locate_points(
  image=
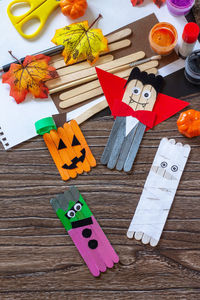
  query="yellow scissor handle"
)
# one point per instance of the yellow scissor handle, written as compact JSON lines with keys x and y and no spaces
{"x":39,"y":9}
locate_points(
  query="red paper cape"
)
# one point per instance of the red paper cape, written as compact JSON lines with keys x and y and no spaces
{"x":113,"y":88}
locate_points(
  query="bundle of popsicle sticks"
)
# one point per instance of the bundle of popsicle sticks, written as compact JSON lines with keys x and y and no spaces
{"x":79,"y":81}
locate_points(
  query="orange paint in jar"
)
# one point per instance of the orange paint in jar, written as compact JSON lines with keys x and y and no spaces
{"x":163,"y":38}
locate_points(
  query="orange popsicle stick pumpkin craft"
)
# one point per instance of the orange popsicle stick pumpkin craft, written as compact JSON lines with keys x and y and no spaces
{"x":67,"y":147}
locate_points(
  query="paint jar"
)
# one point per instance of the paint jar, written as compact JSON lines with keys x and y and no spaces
{"x":192,"y":67}
{"x":180,"y":7}
{"x":163,"y":38}
{"x":189,"y":38}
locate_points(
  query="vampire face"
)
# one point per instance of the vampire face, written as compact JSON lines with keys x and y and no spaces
{"x":139,"y":96}
{"x":72,"y":209}
{"x":141,"y":90}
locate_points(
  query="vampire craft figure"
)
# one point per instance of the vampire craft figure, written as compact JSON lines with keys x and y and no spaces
{"x":137,"y":106}
{"x":85,"y":231}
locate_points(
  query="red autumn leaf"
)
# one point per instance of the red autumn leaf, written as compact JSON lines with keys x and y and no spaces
{"x":29,"y":77}
{"x":136,"y":2}
{"x":159,"y":3}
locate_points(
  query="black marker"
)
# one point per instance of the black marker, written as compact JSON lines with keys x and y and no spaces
{"x":49,"y":52}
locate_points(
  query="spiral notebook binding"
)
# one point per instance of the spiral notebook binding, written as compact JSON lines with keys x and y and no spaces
{"x":3,"y":139}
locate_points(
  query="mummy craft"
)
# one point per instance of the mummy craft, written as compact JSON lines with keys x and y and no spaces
{"x":137,"y":106}
{"x":158,"y":192}
{"x":85,"y":231}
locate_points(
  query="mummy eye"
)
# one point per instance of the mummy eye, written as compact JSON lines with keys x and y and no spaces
{"x":146,"y":94}
{"x":163,"y":164}
{"x":174,"y":168}
{"x":136,"y":91}
{"x":71,"y":214}
{"x":77,"y":207}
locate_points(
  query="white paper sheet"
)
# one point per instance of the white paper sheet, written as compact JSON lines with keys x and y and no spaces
{"x":115,"y":15}
{"x":17,"y":120}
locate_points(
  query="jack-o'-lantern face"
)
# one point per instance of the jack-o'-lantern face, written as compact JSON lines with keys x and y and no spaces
{"x":72,"y":148}
{"x":69,"y":150}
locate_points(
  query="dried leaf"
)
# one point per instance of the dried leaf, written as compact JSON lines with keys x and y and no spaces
{"x":80,"y":42}
{"x":137,"y":2}
{"x":159,"y":3}
{"x":29,"y":77}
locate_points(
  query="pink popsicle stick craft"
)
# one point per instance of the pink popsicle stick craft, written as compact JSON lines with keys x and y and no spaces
{"x":84,"y":231}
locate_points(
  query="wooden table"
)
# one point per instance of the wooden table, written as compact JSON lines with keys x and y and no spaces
{"x":196,"y":11}
{"x":39,"y":261}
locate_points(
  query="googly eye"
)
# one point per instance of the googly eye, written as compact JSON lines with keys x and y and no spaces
{"x":146,"y":94}
{"x":174,"y":168}
{"x":77,"y":206}
{"x":163,"y":164}
{"x":136,"y":91}
{"x":71,"y":214}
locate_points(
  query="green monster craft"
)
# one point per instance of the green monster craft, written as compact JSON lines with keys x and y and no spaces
{"x":85,"y":231}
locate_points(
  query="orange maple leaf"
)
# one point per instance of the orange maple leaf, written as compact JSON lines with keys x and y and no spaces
{"x":29,"y":77}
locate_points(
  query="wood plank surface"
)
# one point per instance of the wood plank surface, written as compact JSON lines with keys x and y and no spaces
{"x":196,"y":11}
{"x":38,"y":260}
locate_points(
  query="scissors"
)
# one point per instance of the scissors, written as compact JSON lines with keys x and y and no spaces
{"x":39,"y":9}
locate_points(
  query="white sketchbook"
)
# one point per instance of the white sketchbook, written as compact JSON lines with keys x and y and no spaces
{"x":17,"y":120}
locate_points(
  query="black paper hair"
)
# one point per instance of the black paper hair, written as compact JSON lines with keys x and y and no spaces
{"x":145,"y":78}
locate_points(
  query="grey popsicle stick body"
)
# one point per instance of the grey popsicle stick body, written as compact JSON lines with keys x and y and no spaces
{"x":122,"y":148}
{"x":137,"y":138}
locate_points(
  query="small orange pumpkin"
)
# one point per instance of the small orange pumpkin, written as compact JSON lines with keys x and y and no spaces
{"x":73,"y":8}
{"x":189,"y":123}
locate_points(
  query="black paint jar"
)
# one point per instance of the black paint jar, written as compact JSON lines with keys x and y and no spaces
{"x":192,"y":67}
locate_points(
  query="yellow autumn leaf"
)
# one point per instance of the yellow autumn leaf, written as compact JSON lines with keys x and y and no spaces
{"x":80,"y":42}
